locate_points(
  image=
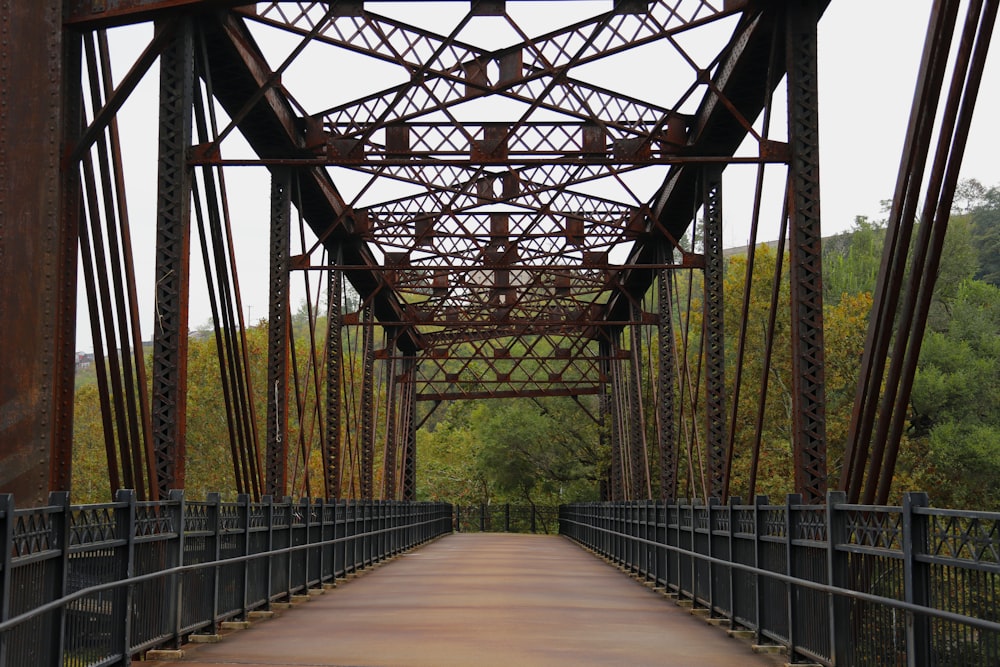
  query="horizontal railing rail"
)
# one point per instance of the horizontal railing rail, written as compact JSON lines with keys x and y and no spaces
{"x":95,"y":585}
{"x":836,"y":585}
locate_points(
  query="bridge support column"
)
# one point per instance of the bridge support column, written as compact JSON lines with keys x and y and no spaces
{"x":334,"y":369}
{"x":278,"y":331}
{"x":666,"y":443}
{"x":173,"y":259}
{"x":805,"y":252}
{"x":39,"y":207}
{"x":616,"y":412}
{"x":715,"y":342}
{"x":368,"y":404}
{"x":638,"y":455}
{"x":408,"y":428}
{"x":608,"y":487}
{"x":392,"y":417}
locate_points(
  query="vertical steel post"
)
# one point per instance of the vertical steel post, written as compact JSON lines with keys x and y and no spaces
{"x":392,"y":414}
{"x":637,"y":423}
{"x":805,"y":251}
{"x":618,"y":490}
{"x":666,"y":443}
{"x":714,"y":332}
{"x":409,"y":482}
{"x":173,"y":254}
{"x":278,"y":332}
{"x":334,"y":357}
{"x":604,"y":410}
{"x":368,"y":404}
{"x":38,"y":217}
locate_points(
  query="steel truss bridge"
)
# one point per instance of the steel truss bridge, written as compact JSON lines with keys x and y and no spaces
{"x":484,"y":208}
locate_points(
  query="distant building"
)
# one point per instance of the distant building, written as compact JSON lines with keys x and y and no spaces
{"x":84,"y":360}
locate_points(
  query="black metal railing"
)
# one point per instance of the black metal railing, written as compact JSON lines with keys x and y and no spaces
{"x":93,"y":585}
{"x":838,"y":584}
{"x":507,"y":518}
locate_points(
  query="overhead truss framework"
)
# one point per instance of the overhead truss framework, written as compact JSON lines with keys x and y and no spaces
{"x":525,"y":205}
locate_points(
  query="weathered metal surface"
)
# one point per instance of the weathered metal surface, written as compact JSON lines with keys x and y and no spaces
{"x":276,"y":473}
{"x":172,"y":273}
{"x":715,"y":334}
{"x":805,"y":256}
{"x":37,"y":251}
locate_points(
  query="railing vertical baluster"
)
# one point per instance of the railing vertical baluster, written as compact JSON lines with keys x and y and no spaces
{"x":838,"y":574}
{"x":916,"y":578}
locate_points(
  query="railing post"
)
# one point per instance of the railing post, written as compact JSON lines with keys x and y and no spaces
{"x":791,"y":529}
{"x":734,"y":501}
{"x":6,"y":541}
{"x":482,"y":517}
{"x":243,"y":512}
{"x":322,"y":548}
{"x":305,"y":506}
{"x":759,"y":528}
{"x":60,"y":531}
{"x":287,"y":500}
{"x":506,"y":517}
{"x":838,"y":574}
{"x":713,"y":502}
{"x":268,"y":502}
{"x":916,"y":578}
{"x":178,"y":512}
{"x":534,"y":525}
{"x":125,"y":526}
{"x":458,"y":518}
{"x":215,"y":525}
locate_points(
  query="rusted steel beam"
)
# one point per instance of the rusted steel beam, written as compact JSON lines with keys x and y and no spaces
{"x":367,"y":415}
{"x":715,"y":336}
{"x":38,"y":212}
{"x":409,"y":465}
{"x":90,"y":14}
{"x":666,"y":373}
{"x":173,"y":255}
{"x":805,"y":256}
{"x":272,"y":128}
{"x":334,"y":369}
{"x":278,"y":334}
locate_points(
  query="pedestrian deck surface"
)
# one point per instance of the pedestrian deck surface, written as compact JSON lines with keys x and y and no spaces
{"x":481,"y":600}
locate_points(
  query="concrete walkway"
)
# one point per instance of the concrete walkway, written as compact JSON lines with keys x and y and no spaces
{"x":480,"y":600}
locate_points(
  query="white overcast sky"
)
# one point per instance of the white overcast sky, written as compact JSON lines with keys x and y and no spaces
{"x":869,"y":54}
